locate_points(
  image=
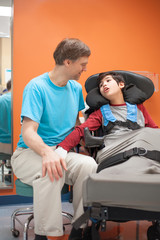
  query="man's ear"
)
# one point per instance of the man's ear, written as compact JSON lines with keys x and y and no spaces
{"x":121,"y":85}
{"x":67,"y":62}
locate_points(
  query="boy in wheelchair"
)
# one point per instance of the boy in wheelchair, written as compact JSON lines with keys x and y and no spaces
{"x":127,"y":128}
{"x":124,"y":126}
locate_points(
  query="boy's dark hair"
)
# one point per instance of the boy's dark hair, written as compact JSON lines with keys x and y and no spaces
{"x":72,"y":49}
{"x":9,"y":85}
{"x":116,"y":76}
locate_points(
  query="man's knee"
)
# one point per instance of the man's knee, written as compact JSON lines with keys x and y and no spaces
{"x":89,"y":164}
{"x":81,"y":163}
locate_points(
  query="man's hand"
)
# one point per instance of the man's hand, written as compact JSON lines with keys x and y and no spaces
{"x":52,"y":163}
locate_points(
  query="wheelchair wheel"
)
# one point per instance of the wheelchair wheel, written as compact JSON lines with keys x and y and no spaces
{"x":153,"y":233}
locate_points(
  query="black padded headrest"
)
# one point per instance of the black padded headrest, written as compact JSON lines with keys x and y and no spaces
{"x":138,"y":89}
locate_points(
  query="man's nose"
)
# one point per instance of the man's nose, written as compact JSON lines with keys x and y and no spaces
{"x":84,"y":69}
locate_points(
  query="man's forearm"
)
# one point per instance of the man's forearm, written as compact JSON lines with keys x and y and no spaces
{"x":52,"y":163}
{"x":35,"y":142}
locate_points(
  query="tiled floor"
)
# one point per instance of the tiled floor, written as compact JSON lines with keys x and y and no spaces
{"x":115,"y":231}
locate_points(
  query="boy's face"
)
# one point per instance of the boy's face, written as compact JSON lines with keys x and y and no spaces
{"x":109,"y":88}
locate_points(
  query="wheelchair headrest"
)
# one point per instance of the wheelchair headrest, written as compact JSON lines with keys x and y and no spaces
{"x":138,"y":88}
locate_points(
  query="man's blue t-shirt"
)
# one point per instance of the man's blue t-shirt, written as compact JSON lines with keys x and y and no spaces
{"x":5,"y":118}
{"x":54,"y":108}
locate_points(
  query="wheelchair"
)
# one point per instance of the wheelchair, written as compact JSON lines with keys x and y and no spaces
{"x":100,"y":193}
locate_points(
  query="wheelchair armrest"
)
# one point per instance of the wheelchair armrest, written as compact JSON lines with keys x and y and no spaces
{"x":92,"y":141}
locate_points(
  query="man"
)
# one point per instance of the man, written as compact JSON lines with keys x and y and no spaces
{"x":5,"y":120}
{"x":51,"y":103}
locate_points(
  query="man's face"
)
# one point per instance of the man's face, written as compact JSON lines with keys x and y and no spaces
{"x":109,"y":88}
{"x":75,"y":68}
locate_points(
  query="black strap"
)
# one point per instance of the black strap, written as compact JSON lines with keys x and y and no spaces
{"x":96,"y":212}
{"x":95,"y":232}
{"x":124,"y":156}
{"x":128,"y":124}
{"x":94,"y":228}
{"x":82,"y":219}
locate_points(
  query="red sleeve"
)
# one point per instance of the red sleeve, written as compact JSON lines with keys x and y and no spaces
{"x":148,"y":120}
{"x":93,"y":123}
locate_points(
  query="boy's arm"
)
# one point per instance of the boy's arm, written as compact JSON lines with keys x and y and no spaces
{"x":148,"y":120}
{"x":93,"y":123}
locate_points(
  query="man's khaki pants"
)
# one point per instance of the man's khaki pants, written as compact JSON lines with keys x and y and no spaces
{"x":27,"y":166}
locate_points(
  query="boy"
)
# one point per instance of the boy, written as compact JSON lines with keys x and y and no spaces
{"x":125,"y":126}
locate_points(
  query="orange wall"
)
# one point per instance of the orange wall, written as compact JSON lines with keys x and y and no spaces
{"x":122,"y":35}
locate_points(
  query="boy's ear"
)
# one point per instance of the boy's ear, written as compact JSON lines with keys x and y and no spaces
{"x":121,"y":85}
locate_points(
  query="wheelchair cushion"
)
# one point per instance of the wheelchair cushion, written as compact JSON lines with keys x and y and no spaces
{"x":138,"y":89}
{"x":129,"y":191}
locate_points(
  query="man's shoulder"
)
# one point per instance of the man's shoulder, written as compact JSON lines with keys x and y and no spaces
{"x":75,"y":84}
{"x":37,"y":81}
